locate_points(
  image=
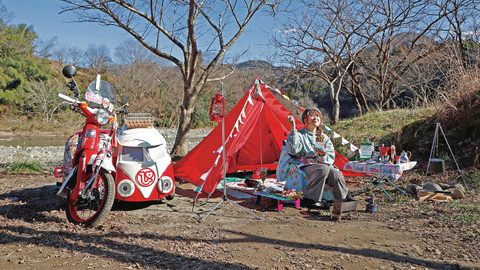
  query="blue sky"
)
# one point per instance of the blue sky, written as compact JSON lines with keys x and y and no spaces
{"x":48,"y":23}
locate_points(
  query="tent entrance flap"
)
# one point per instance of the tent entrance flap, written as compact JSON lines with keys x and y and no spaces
{"x":261,"y":149}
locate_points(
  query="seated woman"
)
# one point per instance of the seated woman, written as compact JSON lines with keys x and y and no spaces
{"x":316,"y":155}
{"x":288,"y":171}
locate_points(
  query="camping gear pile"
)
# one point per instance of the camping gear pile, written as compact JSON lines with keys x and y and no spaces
{"x":432,"y":191}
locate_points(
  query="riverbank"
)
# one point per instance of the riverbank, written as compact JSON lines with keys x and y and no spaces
{"x":51,"y":156}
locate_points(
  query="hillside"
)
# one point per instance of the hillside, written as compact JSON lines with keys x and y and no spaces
{"x":413,"y":130}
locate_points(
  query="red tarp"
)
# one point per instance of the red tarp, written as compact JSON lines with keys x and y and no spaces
{"x":254,"y":131}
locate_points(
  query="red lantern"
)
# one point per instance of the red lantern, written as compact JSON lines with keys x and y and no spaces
{"x":217,"y":108}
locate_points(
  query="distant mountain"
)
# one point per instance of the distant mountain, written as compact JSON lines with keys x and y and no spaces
{"x":254,"y":64}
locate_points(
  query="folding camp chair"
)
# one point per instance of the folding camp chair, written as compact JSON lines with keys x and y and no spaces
{"x":288,"y":170}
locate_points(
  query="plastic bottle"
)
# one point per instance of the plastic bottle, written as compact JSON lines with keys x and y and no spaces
{"x":366,"y":149}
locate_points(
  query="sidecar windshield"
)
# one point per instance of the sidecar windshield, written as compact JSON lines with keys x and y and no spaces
{"x":101,"y":98}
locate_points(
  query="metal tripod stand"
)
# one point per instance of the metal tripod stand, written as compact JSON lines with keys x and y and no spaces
{"x":434,"y":150}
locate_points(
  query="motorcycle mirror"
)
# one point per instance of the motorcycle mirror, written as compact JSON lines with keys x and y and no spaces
{"x":69,"y":71}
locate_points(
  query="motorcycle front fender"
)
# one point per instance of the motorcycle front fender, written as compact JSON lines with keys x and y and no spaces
{"x":62,"y":193}
{"x":107,"y":163}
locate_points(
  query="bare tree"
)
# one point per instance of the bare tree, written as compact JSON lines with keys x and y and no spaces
{"x":75,"y":55}
{"x":324,"y":41}
{"x":148,"y":87}
{"x":130,"y":52}
{"x":5,"y":15}
{"x":401,"y":33}
{"x":461,"y":16}
{"x":423,"y":80}
{"x":60,"y":54}
{"x":97,"y":57}
{"x":194,"y":35}
{"x":42,"y":98}
{"x":355,"y":88}
{"x":45,"y":47}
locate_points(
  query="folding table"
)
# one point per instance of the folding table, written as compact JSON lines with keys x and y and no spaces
{"x":380,"y":173}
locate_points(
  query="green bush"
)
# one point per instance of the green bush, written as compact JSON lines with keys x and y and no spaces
{"x":18,"y":64}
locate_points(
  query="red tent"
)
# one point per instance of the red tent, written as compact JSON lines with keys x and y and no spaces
{"x":254,"y":131}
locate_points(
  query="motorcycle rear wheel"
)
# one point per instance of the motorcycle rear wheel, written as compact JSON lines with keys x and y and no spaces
{"x":92,"y":211}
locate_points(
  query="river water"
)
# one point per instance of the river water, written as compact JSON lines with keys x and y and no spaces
{"x":33,"y":141}
{"x":51,"y":140}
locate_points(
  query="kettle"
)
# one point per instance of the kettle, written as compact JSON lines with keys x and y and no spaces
{"x":371,"y":206}
{"x":405,"y":156}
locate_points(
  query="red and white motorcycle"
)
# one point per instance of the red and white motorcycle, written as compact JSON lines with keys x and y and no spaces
{"x":103,"y":163}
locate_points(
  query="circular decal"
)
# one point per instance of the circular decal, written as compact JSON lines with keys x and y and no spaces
{"x":145,"y":177}
{"x":105,"y":103}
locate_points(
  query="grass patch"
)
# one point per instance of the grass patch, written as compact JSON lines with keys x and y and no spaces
{"x":457,"y":205}
{"x":472,"y":179}
{"x":382,"y":127}
{"x":26,"y":167}
{"x":468,"y":214}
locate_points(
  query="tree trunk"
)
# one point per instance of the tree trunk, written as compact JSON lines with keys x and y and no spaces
{"x":364,"y":100}
{"x":180,"y":148}
{"x":353,"y":92}
{"x":358,"y":105}
{"x":335,"y":103}
{"x":336,"y":110}
{"x":332,"y":99}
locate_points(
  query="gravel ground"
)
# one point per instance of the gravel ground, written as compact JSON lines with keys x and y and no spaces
{"x":35,"y":234}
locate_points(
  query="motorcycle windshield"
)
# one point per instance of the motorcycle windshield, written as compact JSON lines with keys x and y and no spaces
{"x":101,"y":97}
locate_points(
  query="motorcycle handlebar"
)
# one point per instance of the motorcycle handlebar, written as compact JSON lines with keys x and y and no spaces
{"x":85,"y":110}
{"x":67,"y":98}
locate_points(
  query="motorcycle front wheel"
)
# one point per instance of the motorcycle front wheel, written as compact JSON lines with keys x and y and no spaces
{"x":92,"y":210}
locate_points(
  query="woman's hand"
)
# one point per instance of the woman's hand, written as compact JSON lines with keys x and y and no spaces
{"x":320,"y":147}
{"x":291,"y":120}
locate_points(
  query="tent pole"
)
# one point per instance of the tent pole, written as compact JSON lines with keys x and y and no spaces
{"x":224,"y":158}
{"x":224,"y":174}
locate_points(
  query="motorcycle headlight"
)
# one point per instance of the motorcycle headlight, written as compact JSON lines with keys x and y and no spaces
{"x":102,"y":117}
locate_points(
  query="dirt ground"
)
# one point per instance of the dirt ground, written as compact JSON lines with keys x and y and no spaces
{"x":35,"y":234}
